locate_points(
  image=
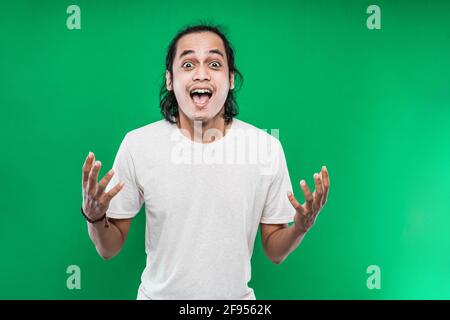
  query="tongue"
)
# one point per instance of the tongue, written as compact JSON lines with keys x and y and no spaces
{"x":200,"y":98}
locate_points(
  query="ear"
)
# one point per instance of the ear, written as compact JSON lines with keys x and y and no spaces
{"x":231,"y":80}
{"x":168,"y":81}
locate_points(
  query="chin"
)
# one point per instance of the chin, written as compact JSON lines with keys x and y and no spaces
{"x":203,"y":114}
{"x":201,"y":118}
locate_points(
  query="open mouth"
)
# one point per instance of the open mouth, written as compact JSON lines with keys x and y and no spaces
{"x":201,"y":96}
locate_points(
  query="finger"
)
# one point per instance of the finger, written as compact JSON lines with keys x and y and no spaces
{"x":112,"y":193}
{"x":93,"y":176}
{"x":87,"y":168}
{"x":318,"y":193}
{"x":326,"y":184}
{"x":104,"y":182}
{"x":297,"y":206}
{"x":308,"y":195}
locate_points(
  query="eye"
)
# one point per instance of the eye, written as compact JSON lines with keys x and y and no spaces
{"x":187,"y":65}
{"x":215,"y":64}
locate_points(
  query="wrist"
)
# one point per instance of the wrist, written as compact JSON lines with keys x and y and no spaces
{"x":298,"y":230}
{"x":92,"y":221}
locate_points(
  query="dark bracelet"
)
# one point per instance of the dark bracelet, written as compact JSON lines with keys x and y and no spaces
{"x":97,"y":220}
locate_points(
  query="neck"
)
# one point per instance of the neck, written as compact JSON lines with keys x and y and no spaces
{"x":203,"y":131}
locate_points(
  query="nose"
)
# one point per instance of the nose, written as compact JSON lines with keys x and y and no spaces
{"x":201,"y":74}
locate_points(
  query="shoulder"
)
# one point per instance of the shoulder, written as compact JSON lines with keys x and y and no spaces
{"x":155,"y":128}
{"x":245,"y":129}
{"x":149,"y":134}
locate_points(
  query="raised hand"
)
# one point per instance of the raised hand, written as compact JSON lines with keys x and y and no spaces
{"x":95,"y":199}
{"x":306,"y":213}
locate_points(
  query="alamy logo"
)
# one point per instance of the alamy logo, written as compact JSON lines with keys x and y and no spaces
{"x":374,"y":280}
{"x":74,"y":20}
{"x":242,"y":147}
{"x":74,"y":280}
{"x":374,"y":20}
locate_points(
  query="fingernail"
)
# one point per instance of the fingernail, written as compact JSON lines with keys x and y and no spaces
{"x":302,"y":182}
{"x":111,"y":172}
{"x":289,"y":193}
{"x":90,"y":154}
{"x":315,"y":175}
{"x":122,"y":184}
{"x":97,"y":163}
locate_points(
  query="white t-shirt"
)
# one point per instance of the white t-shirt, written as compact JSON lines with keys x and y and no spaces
{"x":203,"y":205}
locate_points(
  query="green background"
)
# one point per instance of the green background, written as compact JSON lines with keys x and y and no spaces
{"x":372,"y":105}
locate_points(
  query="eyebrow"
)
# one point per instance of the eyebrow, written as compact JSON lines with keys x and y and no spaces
{"x":215,"y":51}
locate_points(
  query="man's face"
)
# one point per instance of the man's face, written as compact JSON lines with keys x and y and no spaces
{"x":201,"y":78}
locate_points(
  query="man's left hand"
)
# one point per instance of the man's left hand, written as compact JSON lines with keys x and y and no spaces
{"x":306,"y":213}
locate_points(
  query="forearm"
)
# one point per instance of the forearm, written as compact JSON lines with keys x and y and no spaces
{"x":107,"y":241}
{"x":282,"y":242}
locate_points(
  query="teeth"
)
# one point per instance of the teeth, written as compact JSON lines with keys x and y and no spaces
{"x":200,"y":91}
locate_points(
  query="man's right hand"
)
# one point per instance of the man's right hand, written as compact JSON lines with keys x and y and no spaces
{"x":95,"y":199}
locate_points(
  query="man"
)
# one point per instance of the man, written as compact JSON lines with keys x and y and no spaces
{"x":208,"y":181}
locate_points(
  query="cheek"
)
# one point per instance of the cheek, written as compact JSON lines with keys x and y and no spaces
{"x":179,"y":87}
{"x":224,"y":88}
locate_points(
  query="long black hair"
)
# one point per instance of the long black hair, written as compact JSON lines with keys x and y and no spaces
{"x":167,"y":100}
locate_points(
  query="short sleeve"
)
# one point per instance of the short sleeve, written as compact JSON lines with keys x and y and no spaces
{"x":127,"y":203}
{"x":277,"y":208}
